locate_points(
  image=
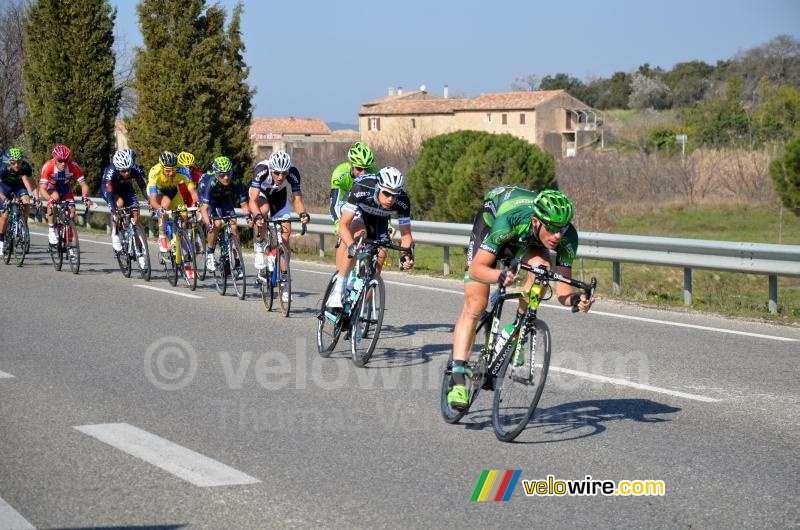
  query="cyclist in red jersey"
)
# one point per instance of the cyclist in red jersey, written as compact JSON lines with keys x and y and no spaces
{"x":55,"y":186}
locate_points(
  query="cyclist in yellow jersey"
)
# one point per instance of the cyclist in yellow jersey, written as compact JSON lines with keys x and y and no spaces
{"x":163,"y":191}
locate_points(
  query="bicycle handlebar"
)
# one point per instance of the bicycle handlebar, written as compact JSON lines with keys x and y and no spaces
{"x":587,"y":288}
{"x":303,"y":228}
{"x":385,"y":243}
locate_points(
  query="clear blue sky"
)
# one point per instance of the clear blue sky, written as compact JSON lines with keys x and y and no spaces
{"x":322,"y":59}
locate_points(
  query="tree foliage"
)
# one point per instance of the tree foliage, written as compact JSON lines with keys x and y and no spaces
{"x":455,"y":170}
{"x":190,"y":83}
{"x":12,"y":41}
{"x":70,"y":92}
{"x":785,"y":172}
{"x":648,"y":93}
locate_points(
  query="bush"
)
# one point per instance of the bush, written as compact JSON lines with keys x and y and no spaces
{"x":785,"y":173}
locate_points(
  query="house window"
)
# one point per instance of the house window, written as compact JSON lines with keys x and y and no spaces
{"x":522,"y":119}
{"x":488,"y":117}
{"x":505,"y":119}
{"x":413,"y":123}
{"x":374,"y":124}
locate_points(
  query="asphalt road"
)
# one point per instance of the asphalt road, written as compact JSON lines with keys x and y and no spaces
{"x":123,"y":406}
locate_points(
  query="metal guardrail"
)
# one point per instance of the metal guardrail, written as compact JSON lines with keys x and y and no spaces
{"x":750,"y":258}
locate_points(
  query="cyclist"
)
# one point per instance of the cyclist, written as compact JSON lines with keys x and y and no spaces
{"x":117,"y":189}
{"x":512,"y":223}
{"x":369,"y":205}
{"x":16,"y":178}
{"x":220,"y":188}
{"x":54,"y":186}
{"x":186,"y":166}
{"x":162,"y":188}
{"x":269,"y":197}
{"x":360,"y":162}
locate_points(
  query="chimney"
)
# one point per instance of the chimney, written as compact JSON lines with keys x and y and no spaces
{"x":446,"y":92}
{"x":391,"y":91}
{"x":399,"y":91}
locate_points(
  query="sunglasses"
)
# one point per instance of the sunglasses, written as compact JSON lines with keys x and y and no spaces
{"x":284,"y":173}
{"x":61,"y":160}
{"x":15,"y":162}
{"x":555,"y":229}
{"x":224,"y":175}
{"x":389,"y":194}
{"x":356,"y":168}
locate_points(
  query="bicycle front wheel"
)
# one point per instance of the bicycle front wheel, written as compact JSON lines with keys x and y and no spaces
{"x":200,"y":238}
{"x":22,"y":244}
{"x":57,"y":250}
{"x":142,"y":252}
{"x":221,"y":267}
{"x":284,"y":280}
{"x":330,"y":323}
{"x":9,"y":249}
{"x":475,"y":378}
{"x":123,"y":257}
{"x":365,"y":324}
{"x":170,"y":270}
{"x":237,"y":268}
{"x":520,"y":383}
{"x":73,"y":247}
{"x":189,"y":257}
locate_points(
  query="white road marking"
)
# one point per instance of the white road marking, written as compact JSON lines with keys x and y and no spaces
{"x":184,"y":463}
{"x":82,"y":240}
{"x":10,"y":519}
{"x":160,"y":290}
{"x":640,"y":386}
{"x":4,"y":375}
{"x":603,"y":313}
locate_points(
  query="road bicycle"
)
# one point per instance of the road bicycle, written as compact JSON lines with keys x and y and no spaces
{"x":134,"y":244}
{"x":68,"y":244}
{"x":517,"y":376}
{"x":277,"y":273}
{"x":363,"y":305}
{"x":18,"y":238}
{"x":182,"y":250}
{"x":228,"y":259}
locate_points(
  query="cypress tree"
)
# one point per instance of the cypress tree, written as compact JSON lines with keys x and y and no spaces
{"x":70,"y":92}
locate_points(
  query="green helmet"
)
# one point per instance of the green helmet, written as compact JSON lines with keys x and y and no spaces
{"x":552,"y":206}
{"x":221,"y":164}
{"x":360,"y":155}
{"x":15,"y":153}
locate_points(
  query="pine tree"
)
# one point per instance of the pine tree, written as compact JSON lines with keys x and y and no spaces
{"x":70,"y":93}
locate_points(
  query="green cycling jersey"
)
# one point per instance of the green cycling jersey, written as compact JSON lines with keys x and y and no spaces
{"x":341,"y":183}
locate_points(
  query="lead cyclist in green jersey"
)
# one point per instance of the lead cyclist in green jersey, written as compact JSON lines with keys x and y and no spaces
{"x":512,"y":223}
{"x":360,"y":162}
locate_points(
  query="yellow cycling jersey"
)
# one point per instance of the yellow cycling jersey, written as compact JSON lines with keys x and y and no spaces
{"x":158,"y":182}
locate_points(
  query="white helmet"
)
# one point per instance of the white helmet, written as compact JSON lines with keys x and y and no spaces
{"x":280,"y":161}
{"x":122,"y":160}
{"x":390,"y":178}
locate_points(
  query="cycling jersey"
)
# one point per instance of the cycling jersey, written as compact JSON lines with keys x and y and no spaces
{"x":115,"y":183}
{"x":342,"y":181}
{"x":11,"y":181}
{"x":159,"y":183}
{"x":363,"y":200}
{"x":57,"y":180}
{"x":276,"y":195}
{"x":215,"y":193}
{"x":193,"y":172}
{"x":504,"y":227}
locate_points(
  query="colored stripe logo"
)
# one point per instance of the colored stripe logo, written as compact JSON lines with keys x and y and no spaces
{"x":495,"y":485}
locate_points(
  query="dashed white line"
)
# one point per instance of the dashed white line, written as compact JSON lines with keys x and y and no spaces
{"x":4,"y":375}
{"x":184,"y":463}
{"x":632,"y":384}
{"x":603,"y":313}
{"x":160,"y":290}
{"x":10,"y":519}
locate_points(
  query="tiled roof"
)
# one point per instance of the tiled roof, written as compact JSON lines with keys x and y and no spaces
{"x":437,"y":105}
{"x":414,"y":106}
{"x":288,"y":126}
{"x":509,"y":100}
{"x":348,"y":133}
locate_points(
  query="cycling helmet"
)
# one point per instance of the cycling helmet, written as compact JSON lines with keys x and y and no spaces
{"x":390,"y":178}
{"x":552,"y":206}
{"x":280,"y":161}
{"x":168,"y":159}
{"x":360,"y":155}
{"x":15,"y":153}
{"x":132,"y":154}
{"x":185,"y":159}
{"x":62,"y":152}
{"x":221,"y":164}
{"x":122,"y":160}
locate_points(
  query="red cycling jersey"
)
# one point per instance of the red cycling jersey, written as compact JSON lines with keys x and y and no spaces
{"x":58,"y":180}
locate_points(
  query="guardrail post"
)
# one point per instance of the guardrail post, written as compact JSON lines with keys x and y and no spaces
{"x":108,"y":224}
{"x":615,"y":282}
{"x":322,"y":245}
{"x":151,"y":227}
{"x":687,"y":286}
{"x":446,"y":260}
{"x":772,"y":305}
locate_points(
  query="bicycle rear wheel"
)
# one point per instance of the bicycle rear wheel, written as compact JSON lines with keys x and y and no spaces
{"x":170,"y":270}
{"x":330,"y":323}
{"x":284,"y":285}
{"x":520,"y":383}
{"x":73,"y":247}
{"x":238,"y":274}
{"x":367,"y":316}
{"x":476,"y":366}
{"x":142,"y":252}
{"x":8,"y":249}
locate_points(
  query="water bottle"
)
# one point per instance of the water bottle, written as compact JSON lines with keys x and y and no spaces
{"x":355,"y":289}
{"x":502,"y":340}
{"x":271,"y":260}
{"x":168,"y":230}
{"x":351,"y":279}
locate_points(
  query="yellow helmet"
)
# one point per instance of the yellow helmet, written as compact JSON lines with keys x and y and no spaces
{"x":185,"y":159}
